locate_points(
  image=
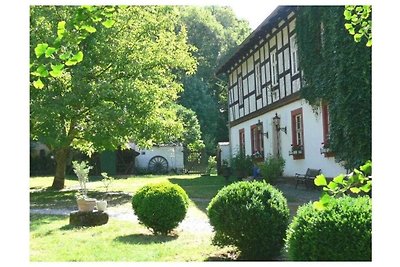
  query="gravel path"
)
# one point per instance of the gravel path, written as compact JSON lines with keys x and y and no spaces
{"x":191,"y":223}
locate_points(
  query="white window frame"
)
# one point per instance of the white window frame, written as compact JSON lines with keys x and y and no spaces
{"x":294,"y":55}
{"x":274,"y":68}
{"x":257,"y":75}
{"x":299,"y":129}
{"x":240,"y":90}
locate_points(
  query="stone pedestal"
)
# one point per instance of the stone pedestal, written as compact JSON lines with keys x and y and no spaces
{"x":91,"y":218}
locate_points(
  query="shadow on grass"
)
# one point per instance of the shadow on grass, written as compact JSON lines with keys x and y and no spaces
{"x":50,"y":198}
{"x":142,"y":239}
{"x":36,"y":220}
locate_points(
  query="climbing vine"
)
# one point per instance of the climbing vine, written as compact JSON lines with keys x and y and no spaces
{"x":337,"y":71}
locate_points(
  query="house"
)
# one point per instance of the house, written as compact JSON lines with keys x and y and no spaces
{"x":267,"y":115}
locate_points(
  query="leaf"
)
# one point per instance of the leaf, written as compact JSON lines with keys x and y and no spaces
{"x":369,"y":43}
{"x":40,"y":49}
{"x":61,"y":29}
{"x":348,"y":25}
{"x":357,"y":37}
{"x":108,"y":23}
{"x":355,"y":190}
{"x":41,"y":71}
{"x":38,"y":84}
{"x":367,"y":168}
{"x":320,"y":180}
{"x":78,"y":57}
{"x":89,"y":28}
{"x":56,"y":70}
{"x":65,"y":56}
{"x":318,"y":205}
{"x":332,"y":185}
{"x":50,"y":51}
{"x":347,"y":14}
{"x":367,"y":187}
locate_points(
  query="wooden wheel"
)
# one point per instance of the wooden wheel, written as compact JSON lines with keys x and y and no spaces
{"x":158,"y":165}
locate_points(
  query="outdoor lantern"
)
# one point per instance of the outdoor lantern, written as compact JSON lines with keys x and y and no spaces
{"x":260,"y":129}
{"x":277,"y":121}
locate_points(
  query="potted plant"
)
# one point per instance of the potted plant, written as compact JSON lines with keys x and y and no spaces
{"x":85,"y":204}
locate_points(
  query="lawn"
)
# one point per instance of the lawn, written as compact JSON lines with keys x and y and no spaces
{"x":52,"y":239}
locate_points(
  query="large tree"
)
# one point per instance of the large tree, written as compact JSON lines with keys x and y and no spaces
{"x":124,"y":87}
{"x":337,"y":71}
{"x":215,"y":32}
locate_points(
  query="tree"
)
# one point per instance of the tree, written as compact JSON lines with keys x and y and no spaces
{"x":337,"y":71}
{"x":215,"y":32}
{"x":124,"y":89}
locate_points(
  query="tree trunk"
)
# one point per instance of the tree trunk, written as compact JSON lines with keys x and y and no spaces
{"x":61,"y":157}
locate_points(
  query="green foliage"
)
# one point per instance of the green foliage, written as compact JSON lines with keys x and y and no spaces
{"x":107,"y":180}
{"x":358,"y":182}
{"x":160,"y":207}
{"x":252,"y":216}
{"x":125,"y":88}
{"x":215,"y":31}
{"x":272,"y":168}
{"x":82,"y":171}
{"x":63,"y":48}
{"x":359,"y":22}
{"x":341,"y":232}
{"x":211,"y":165}
{"x":241,"y":165}
{"x":337,"y":71}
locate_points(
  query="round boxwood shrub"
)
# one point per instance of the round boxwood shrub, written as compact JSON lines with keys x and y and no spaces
{"x":341,"y":232}
{"x":252,"y":216}
{"x":160,"y":207}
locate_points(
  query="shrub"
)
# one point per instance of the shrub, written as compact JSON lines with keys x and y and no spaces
{"x":211,"y":165}
{"x":272,"y":168}
{"x":242,"y":165}
{"x":160,"y":207}
{"x":253,"y":216}
{"x":340,"y":232}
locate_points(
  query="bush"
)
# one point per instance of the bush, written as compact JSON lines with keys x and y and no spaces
{"x":160,"y":207}
{"x":341,"y":232}
{"x":211,"y":165}
{"x":253,"y":216}
{"x":242,"y":165}
{"x":272,"y":168}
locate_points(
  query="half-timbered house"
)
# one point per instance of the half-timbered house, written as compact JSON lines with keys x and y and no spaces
{"x":267,"y":115}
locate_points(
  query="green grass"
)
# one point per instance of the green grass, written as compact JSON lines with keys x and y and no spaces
{"x":52,"y":239}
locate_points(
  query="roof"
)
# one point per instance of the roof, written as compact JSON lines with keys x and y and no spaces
{"x":260,"y":32}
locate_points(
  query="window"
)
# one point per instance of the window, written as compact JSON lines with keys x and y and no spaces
{"x":242,"y":143}
{"x":294,"y":55}
{"x":274,"y":68}
{"x":297,"y":134}
{"x":240,"y":89}
{"x":257,"y":142}
{"x":258,"y":79}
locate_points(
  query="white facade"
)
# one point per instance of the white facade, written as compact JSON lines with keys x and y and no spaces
{"x":172,"y":153}
{"x":265,"y":80}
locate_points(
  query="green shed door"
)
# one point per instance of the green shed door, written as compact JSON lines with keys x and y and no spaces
{"x":108,"y":162}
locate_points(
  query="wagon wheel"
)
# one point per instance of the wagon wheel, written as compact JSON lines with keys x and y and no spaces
{"x":158,"y":165}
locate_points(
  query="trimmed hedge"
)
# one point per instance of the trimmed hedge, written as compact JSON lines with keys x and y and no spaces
{"x":339,"y":233}
{"x":253,"y":216}
{"x":160,"y":207}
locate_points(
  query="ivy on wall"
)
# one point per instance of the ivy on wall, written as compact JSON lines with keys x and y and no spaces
{"x":337,"y":71}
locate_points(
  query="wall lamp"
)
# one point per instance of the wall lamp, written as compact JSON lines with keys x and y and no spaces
{"x":277,"y":122}
{"x":260,"y":129}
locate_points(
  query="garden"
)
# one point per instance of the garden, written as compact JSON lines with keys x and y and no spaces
{"x":201,"y":218}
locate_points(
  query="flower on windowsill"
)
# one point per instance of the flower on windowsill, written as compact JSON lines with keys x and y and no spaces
{"x":296,"y":150}
{"x":257,"y":155}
